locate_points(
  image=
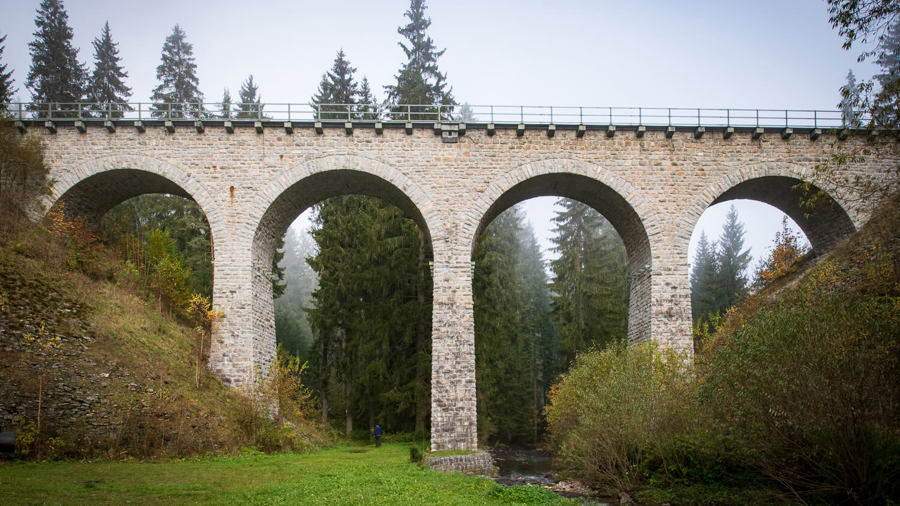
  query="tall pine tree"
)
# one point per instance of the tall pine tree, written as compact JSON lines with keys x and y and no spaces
{"x":590,"y":291}
{"x":536,"y":326}
{"x":733,"y":261}
{"x":178,"y":94}
{"x":885,"y":102}
{"x":226,"y":104}
{"x":106,"y":87}
{"x":56,"y":75}
{"x":419,"y":81}
{"x":337,"y":93}
{"x":719,"y":273}
{"x":367,"y":105}
{"x":502,"y":363}
{"x":250,"y":106}
{"x":6,"y":82}
{"x":370,"y":349}
{"x":704,"y":276}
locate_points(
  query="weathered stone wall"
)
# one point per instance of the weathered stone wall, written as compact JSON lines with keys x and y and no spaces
{"x":251,"y":185}
{"x":479,"y":463}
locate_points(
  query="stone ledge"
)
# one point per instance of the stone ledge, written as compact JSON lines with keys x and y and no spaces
{"x":479,"y":463}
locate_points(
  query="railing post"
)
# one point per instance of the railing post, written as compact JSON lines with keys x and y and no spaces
{"x":610,"y":115}
{"x":21,"y":117}
{"x":698,"y":116}
{"x":289,"y":111}
{"x":757,"y":118}
{"x":492,"y":114}
{"x":580,"y":115}
{"x":640,"y":117}
{"x":670,"y":116}
{"x":521,"y":114}
{"x":728,"y":117}
{"x":815,"y":119}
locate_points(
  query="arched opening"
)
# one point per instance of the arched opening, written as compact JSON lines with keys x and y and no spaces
{"x":620,"y":214}
{"x":149,"y":220}
{"x":732,"y":244}
{"x":825,"y":225}
{"x":370,"y":313}
{"x":536,"y":307}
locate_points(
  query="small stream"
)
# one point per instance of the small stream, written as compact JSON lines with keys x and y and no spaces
{"x":531,"y":466}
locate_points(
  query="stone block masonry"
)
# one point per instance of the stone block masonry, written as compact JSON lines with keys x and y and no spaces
{"x":652,"y":188}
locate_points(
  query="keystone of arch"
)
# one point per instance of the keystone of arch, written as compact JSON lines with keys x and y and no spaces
{"x":708,"y":195}
{"x":284,"y":180}
{"x":473,"y":218}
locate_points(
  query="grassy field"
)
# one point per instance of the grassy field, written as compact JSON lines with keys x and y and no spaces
{"x":343,"y":475}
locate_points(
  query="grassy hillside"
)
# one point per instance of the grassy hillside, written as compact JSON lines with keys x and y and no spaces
{"x":94,"y":364}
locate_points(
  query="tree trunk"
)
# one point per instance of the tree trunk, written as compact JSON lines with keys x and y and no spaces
{"x":323,"y":385}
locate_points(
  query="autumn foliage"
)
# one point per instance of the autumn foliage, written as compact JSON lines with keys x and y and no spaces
{"x":786,"y":251}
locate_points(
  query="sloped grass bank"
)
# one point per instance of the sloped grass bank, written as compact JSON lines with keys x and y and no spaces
{"x":342,"y":475}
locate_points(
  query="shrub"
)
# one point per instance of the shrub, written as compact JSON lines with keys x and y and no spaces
{"x":809,"y":386}
{"x":618,"y":407}
{"x":278,"y":413}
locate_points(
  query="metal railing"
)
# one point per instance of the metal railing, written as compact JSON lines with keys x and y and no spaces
{"x":403,"y":113}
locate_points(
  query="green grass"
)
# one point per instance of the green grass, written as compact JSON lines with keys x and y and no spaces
{"x":343,"y":475}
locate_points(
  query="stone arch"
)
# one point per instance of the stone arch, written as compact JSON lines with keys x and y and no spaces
{"x":95,"y":187}
{"x":627,"y":210}
{"x":315,"y":180}
{"x":305,"y":184}
{"x":773,"y":184}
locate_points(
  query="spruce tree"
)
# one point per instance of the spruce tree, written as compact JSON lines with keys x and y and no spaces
{"x":367,"y":105}
{"x":6,"y":82}
{"x":732,"y":261}
{"x":338,"y":92}
{"x":56,"y":75}
{"x":850,"y":102}
{"x":419,"y":81}
{"x":704,"y":275}
{"x":885,"y":102}
{"x":250,"y":106}
{"x":178,"y":94}
{"x":106,"y":88}
{"x":367,"y":355}
{"x":226,"y":104}
{"x":589,"y":304}
{"x":502,"y":350}
{"x":536,"y":326}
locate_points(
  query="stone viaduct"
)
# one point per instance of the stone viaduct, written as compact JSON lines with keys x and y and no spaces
{"x":652,"y":184}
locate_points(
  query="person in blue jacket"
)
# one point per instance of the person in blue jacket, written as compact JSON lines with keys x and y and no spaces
{"x":377,"y":432}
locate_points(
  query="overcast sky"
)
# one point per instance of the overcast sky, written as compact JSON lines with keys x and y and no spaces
{"x":761,"y":54}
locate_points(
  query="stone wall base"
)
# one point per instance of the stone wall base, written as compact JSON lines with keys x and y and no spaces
{"x":479,"y":463}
